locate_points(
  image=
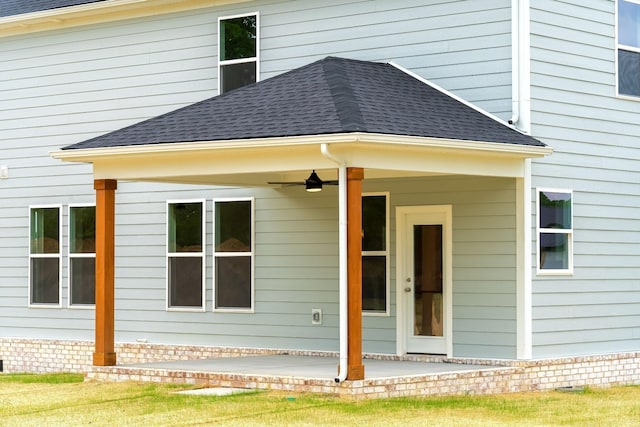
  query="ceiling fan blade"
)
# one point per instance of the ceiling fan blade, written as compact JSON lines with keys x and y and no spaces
{"x":286,"y":182}
{"x":331,"y":182}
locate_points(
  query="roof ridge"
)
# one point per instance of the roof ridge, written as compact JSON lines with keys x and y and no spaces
{"x":342,"y":94}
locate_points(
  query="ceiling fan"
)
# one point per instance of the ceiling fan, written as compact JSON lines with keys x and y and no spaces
{"x":313,"y":184}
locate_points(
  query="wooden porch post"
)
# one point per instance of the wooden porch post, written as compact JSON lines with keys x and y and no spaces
{"x":104,"y":354}
{"x":355,"y":368}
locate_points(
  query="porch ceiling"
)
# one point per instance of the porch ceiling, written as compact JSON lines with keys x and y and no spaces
{"x":372,"y":115}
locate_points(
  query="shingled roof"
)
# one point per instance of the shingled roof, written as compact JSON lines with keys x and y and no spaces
{"x":19,"y":7}
{"x":330,"y":96}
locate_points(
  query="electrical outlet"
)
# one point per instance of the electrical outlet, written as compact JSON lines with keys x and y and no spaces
{"x":316,"y":316}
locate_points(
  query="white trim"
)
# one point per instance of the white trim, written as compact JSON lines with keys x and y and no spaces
{"x":569,"y":232}
{"x":515,"y":63}
{"x":237,"y":61}
{"x":524,"y":299}
{"x":629,"y":48}
{"x":31,"y":304}
{"x":452,"y":95}
{"x":256,"y":59}
{"x":201,"y":254}
{"x":524,"y":66}
{"x":250,"y":254}
{"x":71,"y":255}
{"x":447,"y":258}
{"x":92,"y":154}
{"x":615,"y":52}
{"x":387,"y":254}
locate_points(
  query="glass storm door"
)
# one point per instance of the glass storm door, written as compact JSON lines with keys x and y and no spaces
{"x":423,"y":286}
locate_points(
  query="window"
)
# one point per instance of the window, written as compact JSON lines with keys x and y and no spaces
{"x":238,"y":48}
{"x":629,"y":47}
{"x":555,"y":232}
{"x":82,"y":255}
{"x":44,"y":255}
{"x":375,"y":255}
{"x":185,"y":254}
{"x":233,"y":254}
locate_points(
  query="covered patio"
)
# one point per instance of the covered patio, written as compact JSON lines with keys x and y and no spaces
{"x":345,"y":119}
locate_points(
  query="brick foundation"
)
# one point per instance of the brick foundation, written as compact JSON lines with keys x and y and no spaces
{"x":504,"y":376}
{"x":41,"y":356}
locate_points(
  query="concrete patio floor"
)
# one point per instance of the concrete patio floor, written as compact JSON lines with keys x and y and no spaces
{"x":310,"y":367}
{"x":316,"y":374}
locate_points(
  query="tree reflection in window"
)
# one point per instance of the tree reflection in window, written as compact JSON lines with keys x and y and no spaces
{"x":238,"y":52}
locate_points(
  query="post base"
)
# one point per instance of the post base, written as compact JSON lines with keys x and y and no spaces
{"x":355,"y":373}
{"x":104,"y":359}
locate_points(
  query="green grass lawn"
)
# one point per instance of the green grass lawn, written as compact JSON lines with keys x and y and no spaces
{"x":65,"y":400}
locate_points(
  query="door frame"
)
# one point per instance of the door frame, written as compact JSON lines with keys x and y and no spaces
{"x":447,"y":281}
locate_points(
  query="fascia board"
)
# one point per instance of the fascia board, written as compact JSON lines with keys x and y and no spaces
{"x":514,"y":150}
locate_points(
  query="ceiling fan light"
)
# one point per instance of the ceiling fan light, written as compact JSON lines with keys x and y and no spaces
{"x":313,"y":184}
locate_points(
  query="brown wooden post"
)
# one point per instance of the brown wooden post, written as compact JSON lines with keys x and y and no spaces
{"x":104,"y":354}
{"x":355,"y":368}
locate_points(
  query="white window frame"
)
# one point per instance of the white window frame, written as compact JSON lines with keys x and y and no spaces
{"x":76,"y":255}
{"x":201,"y":254}
{"x":619,"y":47}
{"x":386,"y":254}
{"x":216,"y":254}
{"x":58,"y":255}
{"x":569,"y":232}
{"x":255,"y":59}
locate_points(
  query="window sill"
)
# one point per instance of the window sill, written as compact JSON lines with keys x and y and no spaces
{"x":628,"y":97}
{"x":186,"y":309}
{"x":554,"y":272}
{"x":376,"y":313}
{"x":234,"y":310}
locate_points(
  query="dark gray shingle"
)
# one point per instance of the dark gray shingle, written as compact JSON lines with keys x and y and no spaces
{"x":333,"y":95}
{"x":18,"y":7}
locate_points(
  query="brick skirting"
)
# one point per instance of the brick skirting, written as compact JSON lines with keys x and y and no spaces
{"x":504,"y":376}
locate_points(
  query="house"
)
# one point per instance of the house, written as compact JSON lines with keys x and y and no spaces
{"x":477,"y":161}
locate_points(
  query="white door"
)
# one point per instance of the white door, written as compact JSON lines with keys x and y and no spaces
{"x":424,"y":278}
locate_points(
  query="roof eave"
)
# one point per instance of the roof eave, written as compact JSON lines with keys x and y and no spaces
{"x":89,"y":155}
{"x":92,"y":13}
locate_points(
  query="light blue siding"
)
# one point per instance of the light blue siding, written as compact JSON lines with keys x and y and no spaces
{"x":595,"y":137}
{"x":62,"y":87}
{"x":484,"y":245}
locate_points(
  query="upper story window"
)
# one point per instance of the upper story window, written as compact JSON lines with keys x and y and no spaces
{"x":555,"y":232}
{"x":375,"y":254}
{"x":238,"y":49}
{"x":629,"y":47}
{"x":45,"y":255}
{"x":185,"y":254}
{"x":82,"y":255}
